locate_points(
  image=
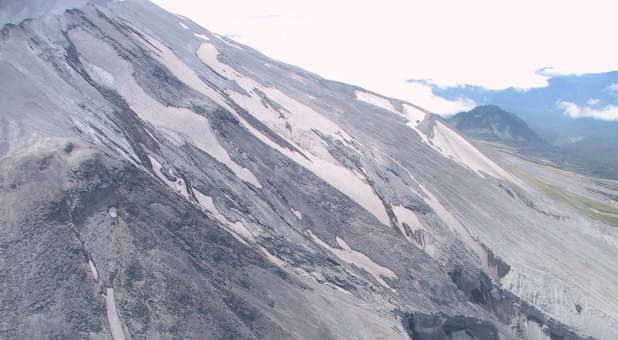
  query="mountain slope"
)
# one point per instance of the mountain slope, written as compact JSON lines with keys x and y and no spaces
{"x":489,"y":122}
{"x":592,"y":156}
{"x":16,"y":11}
{"x":544,"y":108}
{"x":161,"y":181}
{"x":573,"y":113}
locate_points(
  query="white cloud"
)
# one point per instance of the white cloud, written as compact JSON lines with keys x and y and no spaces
{"x":613,"y":87}
{"x":573,"y":110}
{"x":593,"y":101}
{"x":422,"y":95}
{"x":482,"y":43}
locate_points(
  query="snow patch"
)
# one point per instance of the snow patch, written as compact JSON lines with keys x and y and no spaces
{"x":83,"y":122}
{"x":178,"y":185}
{"x":453,"y":146}
{"x":202,"y":134}
{"x":270,"y":257}
{"x":183,"y":25}
{"x":356,"y":258}
{"x":93,"y":270}
{"x":408,"y":217}
{"x":237,"y":228}
{"x":298,"y":214}
{"x":348,"y":183}
{"x":300,"y":115}
{"x":184,"y":73}
{"x":453,"y":223}
{"x":202,"y":36}
{"x":297,"y":126}
{"x":112,"y":315}
{"x":99,"y":75}
{"x":414,"y":115}
{"x":180,"y":124}
{"x":208,"y":203}
{"x":375,"y":100}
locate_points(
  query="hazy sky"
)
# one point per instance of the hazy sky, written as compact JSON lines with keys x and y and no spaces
{"x":380,"y":44}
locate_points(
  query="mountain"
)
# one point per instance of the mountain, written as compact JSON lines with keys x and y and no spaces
{"x":571,"y":108}
{"x":576,"y":113}
{"x":490,"y":122}
{"x":593,"y":156}
{"x":160,"y":181}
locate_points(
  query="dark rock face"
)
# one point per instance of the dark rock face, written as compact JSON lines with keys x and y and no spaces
{"x":489,"y":122}
{"x":52,"y":245}
{"x":443,"y":327}
{"x":158,"y":181}
{"x":15,"y":11}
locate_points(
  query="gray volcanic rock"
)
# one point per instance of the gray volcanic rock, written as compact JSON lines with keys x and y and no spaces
{"x":489,"y":122}
{"x":158,"y":180}
{"x":14,"y":11}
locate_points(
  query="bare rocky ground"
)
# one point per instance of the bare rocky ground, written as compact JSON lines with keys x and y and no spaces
{"x":159,"y":181}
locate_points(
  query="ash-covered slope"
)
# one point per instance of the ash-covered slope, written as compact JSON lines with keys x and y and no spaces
{"x":15,"y":11}
{"x":490,"y":122}
{"x":161,"y":181}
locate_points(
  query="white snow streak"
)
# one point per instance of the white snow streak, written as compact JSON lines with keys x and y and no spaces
{"x":178,"y":185}
{"x":100,"y":75}
{"x":375,"y":100}
{"x":297,"y":124}
{"x":453,"y":223}
{"x":408,"y":217}
{"x":202,"y":36}
{"x":298,"y":214}
{"x":183,"y":25}
{"x":446,"y":141}
{"x":182,"y":125}
{"x":453,"y":146}
{"x":414,"y":115}
{"x":112,"y":315}
{"x":356,"y":258}
{"x":237,"y":228}
{"x":93,"y":270}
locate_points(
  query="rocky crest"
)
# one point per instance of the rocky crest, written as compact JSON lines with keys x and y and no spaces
{"x":489,"y":122}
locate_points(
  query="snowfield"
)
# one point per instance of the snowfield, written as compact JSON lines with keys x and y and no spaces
{"x":375,"y":100}
{"x":303,"y":121}
{"x":356,"y":258}
{"x":452,"y":145}
{"x":180,"y":124}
